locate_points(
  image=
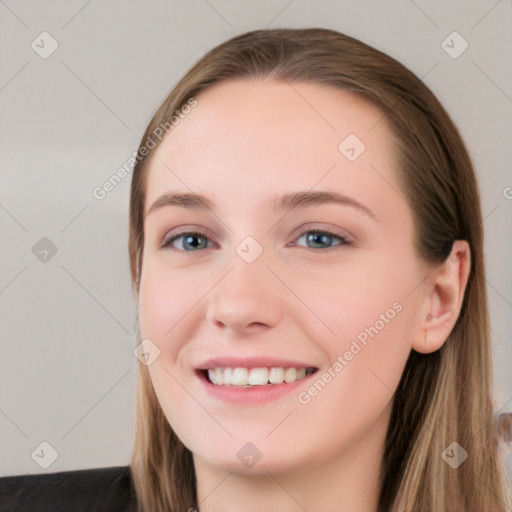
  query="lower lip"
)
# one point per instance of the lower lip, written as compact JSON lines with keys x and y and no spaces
{"x":253,"y":394}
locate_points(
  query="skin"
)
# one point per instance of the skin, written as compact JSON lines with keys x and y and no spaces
{"x":242,"y":143}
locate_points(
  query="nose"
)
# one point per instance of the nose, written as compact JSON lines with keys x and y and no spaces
{"x":248,"y":298}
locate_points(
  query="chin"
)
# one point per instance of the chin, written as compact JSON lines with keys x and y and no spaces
{"x":257,"y":457}
{"x":273,"y":463}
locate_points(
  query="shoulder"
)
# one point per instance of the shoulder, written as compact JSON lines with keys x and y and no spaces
{"x":98,"y":489}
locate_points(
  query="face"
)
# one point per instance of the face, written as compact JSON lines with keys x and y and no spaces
{"x":299,"y":265}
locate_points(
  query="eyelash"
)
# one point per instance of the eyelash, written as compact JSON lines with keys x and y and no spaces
{"x":343,"y":240}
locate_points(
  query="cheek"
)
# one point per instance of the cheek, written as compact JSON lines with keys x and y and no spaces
{"x":155,"y":298}
{"x":366,"y":358}
{"x":164,"y":298}
{"x":370,"y":314}
{"x":166,"y":307}
{"x":360,"y":292}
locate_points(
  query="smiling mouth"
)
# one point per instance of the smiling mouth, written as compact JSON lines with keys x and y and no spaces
{"x":251,"y":377}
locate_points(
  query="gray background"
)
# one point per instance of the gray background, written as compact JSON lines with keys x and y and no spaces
{"x":70,"y":120}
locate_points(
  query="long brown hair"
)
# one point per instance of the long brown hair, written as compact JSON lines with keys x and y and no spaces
{"x":442,"y":397}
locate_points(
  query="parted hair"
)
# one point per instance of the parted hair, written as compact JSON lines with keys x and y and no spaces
{"x":443,"y":396}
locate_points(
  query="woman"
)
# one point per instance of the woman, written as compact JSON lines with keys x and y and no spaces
{"x":307,"y":255}
{"x":306,"y":249}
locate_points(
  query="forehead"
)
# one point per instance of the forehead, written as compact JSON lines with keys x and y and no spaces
{"x":255,"y":136}
{"x":291,"y":111}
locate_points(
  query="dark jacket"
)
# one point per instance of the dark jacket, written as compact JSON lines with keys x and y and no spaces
{"x":86,"y":490}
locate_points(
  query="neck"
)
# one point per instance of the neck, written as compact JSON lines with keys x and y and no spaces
{"x":347,"y":482}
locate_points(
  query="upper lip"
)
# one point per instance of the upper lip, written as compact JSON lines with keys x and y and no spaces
{"x":251,"y":362}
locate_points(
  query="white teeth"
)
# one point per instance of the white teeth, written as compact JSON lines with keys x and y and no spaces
{"x":290,"y":375}
{"x":219,"y":376}
{"x":276,"y":375}
{"x":256,"y":376}
{"x":216,"y":376}
{"x":239,"y":377}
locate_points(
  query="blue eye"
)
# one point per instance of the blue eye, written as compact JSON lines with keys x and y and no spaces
{"x":195,"y":240}
{"x":322,"y":239}
{"x":189,"y":239}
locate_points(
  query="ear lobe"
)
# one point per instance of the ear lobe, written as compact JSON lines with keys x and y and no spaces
{"x":444,"y":294}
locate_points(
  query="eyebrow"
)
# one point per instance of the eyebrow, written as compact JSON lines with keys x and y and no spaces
{"x":277,"y":203}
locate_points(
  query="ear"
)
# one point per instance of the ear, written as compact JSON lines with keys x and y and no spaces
{"x":443,"y":294}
